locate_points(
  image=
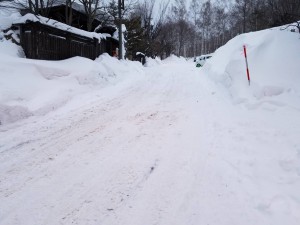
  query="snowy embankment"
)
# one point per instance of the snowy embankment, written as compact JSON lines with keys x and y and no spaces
{"x":109,"y":142}
{"x":259,"y":138}
{"x":273,"y":57}
{"x":34,"y":88}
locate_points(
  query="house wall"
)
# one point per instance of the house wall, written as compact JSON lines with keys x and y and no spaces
{"x":43,"y":42}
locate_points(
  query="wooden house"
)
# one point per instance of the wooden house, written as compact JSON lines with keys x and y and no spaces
{"x":52,"y":39}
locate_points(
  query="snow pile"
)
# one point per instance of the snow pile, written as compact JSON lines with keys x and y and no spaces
{"x":174,"y":59}
{"x":273,"y":58}
{"x":150,"y":62}
{"x":293,"y":27}
{"x":256,"y":145}
{"x":10,"y":49}
{"x":36,"y":87}
{"x":7,"y":17}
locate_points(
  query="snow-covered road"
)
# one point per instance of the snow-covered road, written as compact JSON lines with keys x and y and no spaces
{"x":160,"y":150}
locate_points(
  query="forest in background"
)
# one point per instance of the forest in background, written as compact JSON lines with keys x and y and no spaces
{"x":204,"y":26}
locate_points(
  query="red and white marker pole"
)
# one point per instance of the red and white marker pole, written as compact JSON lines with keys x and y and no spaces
{"x":248,"y":74}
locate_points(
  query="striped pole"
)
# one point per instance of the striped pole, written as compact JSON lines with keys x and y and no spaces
{"x":248,"y":74}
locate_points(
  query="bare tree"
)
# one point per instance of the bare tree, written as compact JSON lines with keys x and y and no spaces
{"x":69,"y":11}
{"x":36,"y":7}
{"x":91,"y":8}
{"x":167,"y":39}
{"x":286,"y":11}
{"x":243,"y":9}
{"x":152,"y":26}
{"x":178,"y":15}
{"x":109,"y":13}
{"x":220,"y":25}
{"x":194,"y":11}
{"x":206,"y":23}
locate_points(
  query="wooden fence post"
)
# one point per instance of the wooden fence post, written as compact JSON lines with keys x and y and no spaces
{"x":96,"y":51}
{"x":34,"y":46}
{"x":68,"y":44}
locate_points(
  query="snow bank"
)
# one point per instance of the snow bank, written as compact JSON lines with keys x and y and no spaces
{"x":36,"y":87}
{"x":174,"y":59}
{"x":7,"y":17}
{"x":10,"y":49}
{"x":261,"y":149}
{"x":152,"y":62}
{"x":273,"y":58}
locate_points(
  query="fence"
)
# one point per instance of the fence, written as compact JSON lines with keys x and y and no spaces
{"x":43,"y":42}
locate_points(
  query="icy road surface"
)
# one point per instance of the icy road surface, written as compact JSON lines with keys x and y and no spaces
{"x":170,"y":149}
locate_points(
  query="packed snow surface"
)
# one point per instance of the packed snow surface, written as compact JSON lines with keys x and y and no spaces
{"x":114,"y":143}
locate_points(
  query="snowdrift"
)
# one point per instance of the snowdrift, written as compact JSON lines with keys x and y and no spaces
{"x":152,"y":62}
{"x":36,"y":87}
{"x":174,"y":59}
{"x":273,"y":57}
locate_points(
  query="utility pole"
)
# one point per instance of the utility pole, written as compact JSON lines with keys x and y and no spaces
{"x":120,"y":7}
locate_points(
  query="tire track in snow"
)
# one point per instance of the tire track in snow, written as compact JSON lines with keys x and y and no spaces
{"x":57,"y":153}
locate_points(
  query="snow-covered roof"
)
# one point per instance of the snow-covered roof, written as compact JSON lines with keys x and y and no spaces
{"x":140,"y":53}
{"x":61,"y":26}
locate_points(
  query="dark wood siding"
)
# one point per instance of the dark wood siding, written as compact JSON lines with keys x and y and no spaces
{"x":43,"y":42}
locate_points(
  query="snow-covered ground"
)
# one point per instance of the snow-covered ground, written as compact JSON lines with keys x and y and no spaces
{"x":115,"y":143}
